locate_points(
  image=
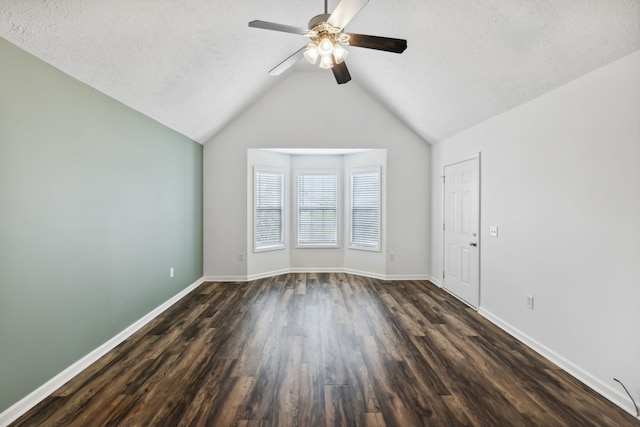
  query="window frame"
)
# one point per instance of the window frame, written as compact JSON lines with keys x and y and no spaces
{"x":332,"y":172}
{"x":281,"y":244}
{"x":358,"y":245}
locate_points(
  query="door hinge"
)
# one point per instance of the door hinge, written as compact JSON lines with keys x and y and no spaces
{"x":443,"y":274}
{"x":443,"y":226}
{"x":444,"y":179}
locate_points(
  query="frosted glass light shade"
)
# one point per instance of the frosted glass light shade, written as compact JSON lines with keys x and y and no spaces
{"x":311,"y":53}
{"x":326,"y":61}
{"x":325,"y":47}
{"x":339,"y":53}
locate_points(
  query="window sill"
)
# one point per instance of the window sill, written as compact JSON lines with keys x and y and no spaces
{"x":269,"y":248}
{"x":317,"y":246}
{"x":365,"y":248}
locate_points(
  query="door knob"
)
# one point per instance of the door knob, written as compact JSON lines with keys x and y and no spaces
{"x":474,"y":244}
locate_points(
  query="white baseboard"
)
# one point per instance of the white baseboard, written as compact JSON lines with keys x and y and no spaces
{"x":406,"y":277}
{"x":435,"y":281}
{"x":615,"y":396}
{"x":362,"y":273}
{"x":316,"y":270}
{"x":268,"y":274}
{"x":32,"y":399}
{"x":225,"y":278}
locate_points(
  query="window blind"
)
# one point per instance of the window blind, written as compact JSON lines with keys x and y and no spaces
{"x":269,"y":209}
{"x":365,"y":209}
{"x":317,"y":209}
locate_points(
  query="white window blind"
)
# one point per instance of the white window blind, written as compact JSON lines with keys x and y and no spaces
{"x":269,"y":209}
{"x":317,"y":209}
{"x":365,"y":209}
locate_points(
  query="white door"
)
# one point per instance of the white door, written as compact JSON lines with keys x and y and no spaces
{"x":461,"y":233}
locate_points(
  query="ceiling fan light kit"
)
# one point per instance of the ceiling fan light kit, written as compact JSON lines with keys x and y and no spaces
{"x":326,"y":43}
{"x":328,"y":40}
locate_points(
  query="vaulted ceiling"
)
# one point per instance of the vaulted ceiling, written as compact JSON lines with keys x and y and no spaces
{"x":194,"y":65}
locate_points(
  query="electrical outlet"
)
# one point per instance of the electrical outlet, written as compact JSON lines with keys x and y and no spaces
{"x":529,"y":302}
{"x":392,"y":256}
{"x":171,"y":272}
{"x":240,"y":256}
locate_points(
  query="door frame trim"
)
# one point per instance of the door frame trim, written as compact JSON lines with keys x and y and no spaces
{"x":477,"y":155}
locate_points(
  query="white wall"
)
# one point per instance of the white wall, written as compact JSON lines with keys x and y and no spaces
{"x":374,"y":263}
{"x":561,"y":179}
{"x":274,"y":260}
{"x":309,"y":110}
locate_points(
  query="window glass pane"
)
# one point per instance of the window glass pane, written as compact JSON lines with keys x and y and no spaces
{"x":317,"y":209}
{"x":269,"y":209}
{"x":365,"y":209}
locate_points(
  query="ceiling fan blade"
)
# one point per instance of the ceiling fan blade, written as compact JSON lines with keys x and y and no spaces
{"x":278,"y":27}
{"x":341,"y":73}
{"x":345,"y":12}
{"x":380,"y":43}
{"x":287,"y":63}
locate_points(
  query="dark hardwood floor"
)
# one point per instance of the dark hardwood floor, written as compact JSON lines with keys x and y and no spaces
{"x":323,"y":350}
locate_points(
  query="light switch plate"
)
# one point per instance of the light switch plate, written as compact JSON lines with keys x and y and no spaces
{"x":493,"y":231}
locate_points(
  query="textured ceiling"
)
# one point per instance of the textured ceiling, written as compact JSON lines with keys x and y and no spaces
{"x":193,"y":65}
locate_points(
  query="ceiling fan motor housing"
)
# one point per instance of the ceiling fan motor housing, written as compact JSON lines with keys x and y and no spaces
{"x":319,"y":19}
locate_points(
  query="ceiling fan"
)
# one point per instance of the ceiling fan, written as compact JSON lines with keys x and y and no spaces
{"x":327,"y":39}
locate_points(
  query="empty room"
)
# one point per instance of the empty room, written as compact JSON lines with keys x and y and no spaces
{"x":319,"y":213}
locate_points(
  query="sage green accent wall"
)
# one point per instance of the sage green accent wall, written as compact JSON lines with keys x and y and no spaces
{"x":97,"y":203}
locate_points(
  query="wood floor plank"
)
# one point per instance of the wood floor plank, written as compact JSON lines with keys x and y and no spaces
{"x":370,"y":420}
{"x":311,"y":346}
{"x":253,"y":423}
{"x":311,"y":407}
{"x":287,"y":393}
{"x":393,"y":408}
{"x":358,"y":314}
{"x":200,"y":404}
{"x":408,"y":323}
{"x":166,"y":389}
{"x":334,"y":370}
{"x":339,"y":411}
{"x":323,"y":349}
{"x":361,"y":388}
{"x":228,"y":411}
{"x":260,"y":403}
